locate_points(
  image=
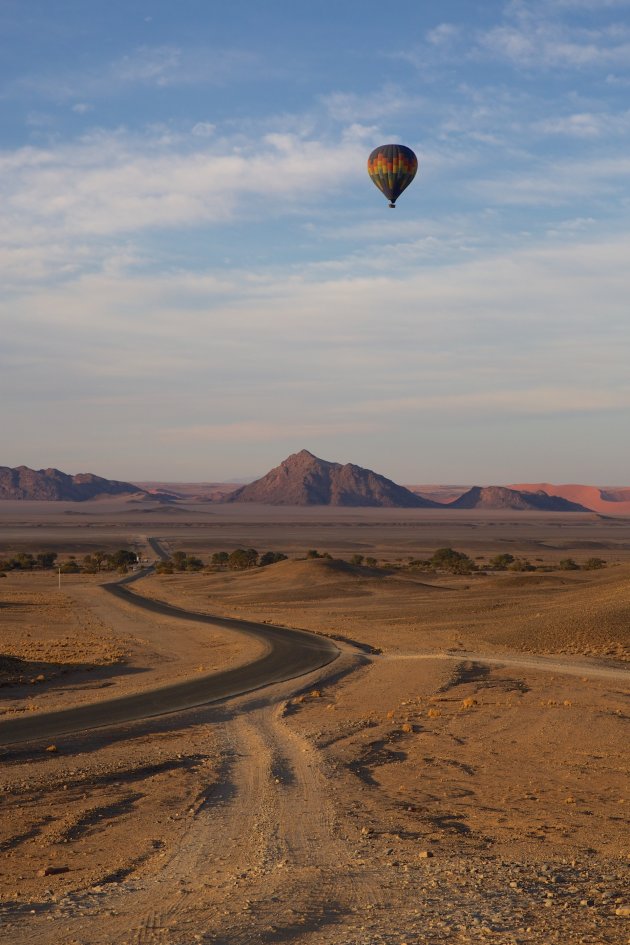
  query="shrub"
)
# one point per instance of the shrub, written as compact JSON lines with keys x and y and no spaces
{"x":193,"y":564}
{"x":500,"y":562}
{"x":568,"y":564}
{"x":594,"y":564}
{"x":356,"y":559}
{"x":70,"y":567}
{"x":521,"y":564}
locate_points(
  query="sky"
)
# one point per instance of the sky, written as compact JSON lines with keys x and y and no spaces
{"x":199,"y":278}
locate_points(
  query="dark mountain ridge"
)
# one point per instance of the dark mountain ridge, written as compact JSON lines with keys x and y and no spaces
{"x":304,"y":479}
{"x":54,"y":485}
{"x":500,"y":497}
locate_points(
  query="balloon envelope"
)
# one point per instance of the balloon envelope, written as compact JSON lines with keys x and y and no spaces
{"x":392,"y":168}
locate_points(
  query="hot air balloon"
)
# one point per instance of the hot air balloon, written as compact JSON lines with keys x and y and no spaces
{"x":392,"y":167}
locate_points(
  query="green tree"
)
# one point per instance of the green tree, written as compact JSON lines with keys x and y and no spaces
{"x":46,"y":559}
{"x":179,"y":560}
{"x":271,"y":557}
{"x":238,"y":560}
{"x":456,"y":562}
{"x":371,"y":562}
{"x":356,"y":559}
{"x":89,"y":565}
{"x":123,"y":558}
{"x":220,"y":559}
{"x":98,"y":557}
{"x":24,"y":561}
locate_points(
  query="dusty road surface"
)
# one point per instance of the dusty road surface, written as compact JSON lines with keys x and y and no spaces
{"x":411,"y":797}
{"x":273,"y":654}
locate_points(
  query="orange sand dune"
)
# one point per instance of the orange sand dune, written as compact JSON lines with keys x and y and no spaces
{"x":613,"y":500}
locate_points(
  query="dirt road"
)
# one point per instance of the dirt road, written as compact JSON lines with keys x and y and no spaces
{"x":328,"y":820}
{"x":287,"y":654}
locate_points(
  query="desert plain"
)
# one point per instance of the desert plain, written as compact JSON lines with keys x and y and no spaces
{"x":458,"y":773}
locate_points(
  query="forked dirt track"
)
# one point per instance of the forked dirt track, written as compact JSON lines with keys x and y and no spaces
{"x":259,"y":860}
{"x":274,"y":850}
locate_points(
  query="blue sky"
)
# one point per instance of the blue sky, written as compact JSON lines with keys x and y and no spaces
{"x":199,"y":277}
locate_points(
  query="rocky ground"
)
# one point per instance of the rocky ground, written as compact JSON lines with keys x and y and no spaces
{"x":400,"y":796}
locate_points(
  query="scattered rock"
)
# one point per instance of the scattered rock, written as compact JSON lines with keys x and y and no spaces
{"x":53,"y":870}
{"x":53,"y":749}
{"x":425,"y":854}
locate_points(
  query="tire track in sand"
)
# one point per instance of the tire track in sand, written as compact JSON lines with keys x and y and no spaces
{"x":259,"y":861}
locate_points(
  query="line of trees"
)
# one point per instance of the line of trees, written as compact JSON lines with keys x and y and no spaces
{"x":119,"y":560}
{"x":25,"y":561}
{"x":456,"y":562}
{"x":241,"y":559}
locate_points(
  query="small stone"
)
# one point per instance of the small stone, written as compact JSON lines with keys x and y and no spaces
{"x":53,"y":749}
{"x":623,"y":910}
{"x":425,"y":854}
{"x":53,"y":870}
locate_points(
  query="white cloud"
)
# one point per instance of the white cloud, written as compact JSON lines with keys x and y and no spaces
{"x":107,"y":184}
{"x":159,"y":65}
{"x":385,"y":102}
{"x":152,"y":66}
{"x":261,"y":431}
{"x":203,"y":129}
{"x":247,"y":357}
{"x":587,"y":125}
{"x":443,"y":34}
{"x":535,"y":41}
{"x":558,"y":183}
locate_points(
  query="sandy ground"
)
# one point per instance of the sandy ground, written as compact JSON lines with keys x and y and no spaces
{"x":417,"y":794}
{"x":581,"y":613}
{"x":74,"y":646}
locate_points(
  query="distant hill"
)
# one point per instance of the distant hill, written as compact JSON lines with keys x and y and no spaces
{"x":436,"y":492}
{"x":190,"y":491}
{"x":609,"y":500}
{"x":54,"y":485}
{"x":304,"y":479}
{"x":500,"y":497}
